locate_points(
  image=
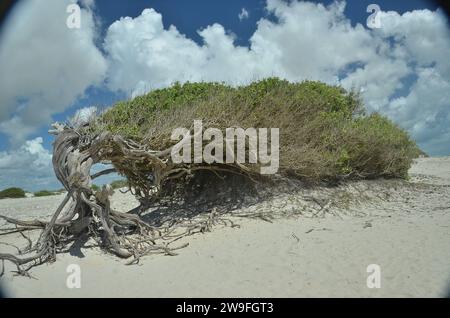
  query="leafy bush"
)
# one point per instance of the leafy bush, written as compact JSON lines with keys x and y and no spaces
{"x":117,"y":184}
{"x":127,"y":117}
{"x":12,"y":193}
{"x":324,"y":132}
{"x":44,"y":193}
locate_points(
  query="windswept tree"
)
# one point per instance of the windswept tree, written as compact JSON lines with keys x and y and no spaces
{"x":325,"y":137}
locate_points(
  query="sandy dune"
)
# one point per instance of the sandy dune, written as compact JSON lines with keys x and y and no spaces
{"x":407,"y":235}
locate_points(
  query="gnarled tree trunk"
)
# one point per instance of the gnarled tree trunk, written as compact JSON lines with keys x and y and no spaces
{"x":84,"y":211}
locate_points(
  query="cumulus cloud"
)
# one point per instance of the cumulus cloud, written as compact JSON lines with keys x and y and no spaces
{"x":28,"y":166}
{"x":424,"y":112}
{"x":422,"y":35}
{"x":423,"y":39}
{"x":243,"y":14}
{"x":305,"y":41}
{"x":44,"y":65}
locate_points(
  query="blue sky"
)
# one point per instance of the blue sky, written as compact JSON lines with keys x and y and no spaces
{"x":191,"y":16}
{"x":271,"y":39}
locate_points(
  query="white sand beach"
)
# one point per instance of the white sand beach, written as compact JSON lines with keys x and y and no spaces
{"x":407,"y":235}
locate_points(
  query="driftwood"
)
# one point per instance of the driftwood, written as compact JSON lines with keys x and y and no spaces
{"x":86,"y":212}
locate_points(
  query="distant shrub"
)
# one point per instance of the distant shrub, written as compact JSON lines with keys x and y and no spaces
{"x":117,"y":184}
{"x":44,"y":193}
{"x":324,"y":132}
{"x":95,"y":187}
{"x":12,"y":193}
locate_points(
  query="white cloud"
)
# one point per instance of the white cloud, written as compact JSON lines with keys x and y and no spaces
{"x":243,"y":14}
{"x":379,"y":79}
{"x":143,"y":55}
{"x":310,"y":41}
{"x":423,"y":38}
{"x":307,"y":41}
{"x":44,"y":65}
{"x":422,"y":34}
{"x":29,"y":166}
{"x":425,"y":111}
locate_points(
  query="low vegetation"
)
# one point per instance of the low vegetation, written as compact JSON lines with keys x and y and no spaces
{"x":45,"y":193}
{"x":12,"y":193}
{"x":117,"y":184}
{"x":325,"y":133}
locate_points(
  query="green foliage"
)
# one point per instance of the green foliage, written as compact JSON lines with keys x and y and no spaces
{"x":95,"y":187}
{"x":324,"y":131}
{"x":12,"y":193}
{"x":127,"y":117}
{"x":44,"y":193}
{"x":117,"y":184}
{"x":379,"y":143}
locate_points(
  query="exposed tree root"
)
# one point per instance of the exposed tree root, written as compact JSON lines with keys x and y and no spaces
{"x":85,"y":212}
